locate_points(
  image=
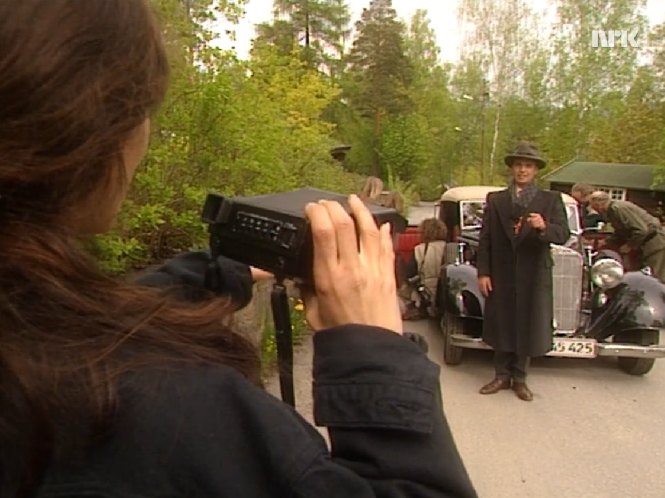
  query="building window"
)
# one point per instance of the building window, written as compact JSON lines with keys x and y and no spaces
{"x":616,"y":194}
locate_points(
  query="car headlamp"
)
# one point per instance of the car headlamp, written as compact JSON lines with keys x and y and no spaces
{"x":606,"y":273}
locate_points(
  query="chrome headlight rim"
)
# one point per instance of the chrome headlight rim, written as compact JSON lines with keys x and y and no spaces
{"x":606,"y":273}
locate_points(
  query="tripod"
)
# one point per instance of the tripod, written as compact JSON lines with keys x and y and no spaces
{"x":281,"y":314}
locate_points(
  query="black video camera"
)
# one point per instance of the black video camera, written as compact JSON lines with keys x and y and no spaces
{"x":271,"y":231}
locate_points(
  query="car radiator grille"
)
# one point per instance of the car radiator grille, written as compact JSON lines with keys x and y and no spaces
{"x":567,"y":275}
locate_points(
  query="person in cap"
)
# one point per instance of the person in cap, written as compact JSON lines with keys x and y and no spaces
{"x":634,"y":228}
{"x":515,"y":270}
{"x":589,"y":217}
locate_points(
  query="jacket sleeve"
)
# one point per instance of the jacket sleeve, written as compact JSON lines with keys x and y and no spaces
{"x":207,"y":432}
{"x":636,"y":226}
{"x":556,"y":230}
{"x":484,"y":244}
{"x":192,"y":277}
{"x":389,"y":436}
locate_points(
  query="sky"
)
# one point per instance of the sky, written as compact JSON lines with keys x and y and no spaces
{"x":442,"y":15}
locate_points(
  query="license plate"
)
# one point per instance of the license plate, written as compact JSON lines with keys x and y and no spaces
{"x":577,"y":348}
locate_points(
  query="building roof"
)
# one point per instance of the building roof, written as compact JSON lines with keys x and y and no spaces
{"x":628,"y":176}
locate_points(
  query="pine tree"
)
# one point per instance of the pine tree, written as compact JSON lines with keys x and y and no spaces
{"x":379,"y":69}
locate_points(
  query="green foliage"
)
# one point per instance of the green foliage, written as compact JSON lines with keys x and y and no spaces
{"x":407,"y":190}
{"x":267,"y":124}
{"x":378,"y":63}
{"x":318,"y":27}
{"x":379,"y":73}
{"x":404,"y":150}
{"x":232,"y":127}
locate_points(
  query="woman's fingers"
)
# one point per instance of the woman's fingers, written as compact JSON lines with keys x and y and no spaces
{"x":351,"y":285}
{"x":370,"y":240}
{"x":325,"y":243}
{"x":387,"y":253}
{"x":345,"y":231}
{"x":387,"y":266}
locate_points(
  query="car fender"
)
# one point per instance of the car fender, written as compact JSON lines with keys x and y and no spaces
{"x":458,"y":291}
{"x":637,"y":304}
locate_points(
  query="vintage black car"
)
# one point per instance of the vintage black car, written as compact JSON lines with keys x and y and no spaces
{"x":600,"y":309}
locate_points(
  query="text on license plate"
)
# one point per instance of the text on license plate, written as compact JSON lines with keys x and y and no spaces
{"x":580,"y":348}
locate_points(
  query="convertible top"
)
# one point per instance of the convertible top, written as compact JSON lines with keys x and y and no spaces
{"x":468,"y":193}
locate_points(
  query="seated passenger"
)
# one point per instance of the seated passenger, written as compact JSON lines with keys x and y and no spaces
{"x":419,"y":293}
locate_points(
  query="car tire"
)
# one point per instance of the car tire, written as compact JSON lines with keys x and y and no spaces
{"x":450,"y":324}
{"x":636,"y":366}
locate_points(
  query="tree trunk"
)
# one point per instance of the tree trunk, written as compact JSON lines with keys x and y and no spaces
{"x":482,"y":142}
{"x":376,"y":166}
{"x":495,"y":138}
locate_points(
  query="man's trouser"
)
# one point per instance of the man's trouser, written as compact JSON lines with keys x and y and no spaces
{"x":656,"y":261}
{"x":510,"y":365}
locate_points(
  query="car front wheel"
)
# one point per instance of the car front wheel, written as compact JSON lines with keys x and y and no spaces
{"x":450,"y":324}
{"x":637,"y":366}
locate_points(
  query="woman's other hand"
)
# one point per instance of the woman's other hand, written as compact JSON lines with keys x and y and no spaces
{"x":354,"y":276}
{"x":259,"y":275}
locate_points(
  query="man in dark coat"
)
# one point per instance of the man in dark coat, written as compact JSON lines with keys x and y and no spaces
{"x":515,"y":270}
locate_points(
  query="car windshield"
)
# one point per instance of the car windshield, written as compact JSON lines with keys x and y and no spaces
{"x":573,"y":218}
{"x":472,"y":215}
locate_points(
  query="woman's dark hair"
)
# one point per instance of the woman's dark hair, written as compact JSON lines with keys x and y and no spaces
{"x":432,"y":229}
{"x":77,"y":78}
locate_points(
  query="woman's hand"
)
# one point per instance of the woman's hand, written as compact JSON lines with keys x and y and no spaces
{"x":258,"y":274}
{"x":354,"y":277}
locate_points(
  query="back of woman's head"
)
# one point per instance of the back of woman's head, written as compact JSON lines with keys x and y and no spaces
{"x":432,"y":229}
{"x":77,"y":79}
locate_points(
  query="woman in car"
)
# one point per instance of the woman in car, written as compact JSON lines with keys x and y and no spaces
{"x":110,"y":389}
{"x":419,"y":292}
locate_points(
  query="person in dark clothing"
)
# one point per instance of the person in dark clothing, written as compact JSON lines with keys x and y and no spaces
{"x":515,"y":270}
{"x":634,"y":230}
{"x":589,"y":217}
{"x":140,"y":389}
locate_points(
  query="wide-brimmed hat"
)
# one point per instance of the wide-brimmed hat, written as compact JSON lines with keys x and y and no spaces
{"x":525,"y":150}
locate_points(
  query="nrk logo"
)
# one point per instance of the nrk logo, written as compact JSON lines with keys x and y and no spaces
{"x":601,"y":38}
